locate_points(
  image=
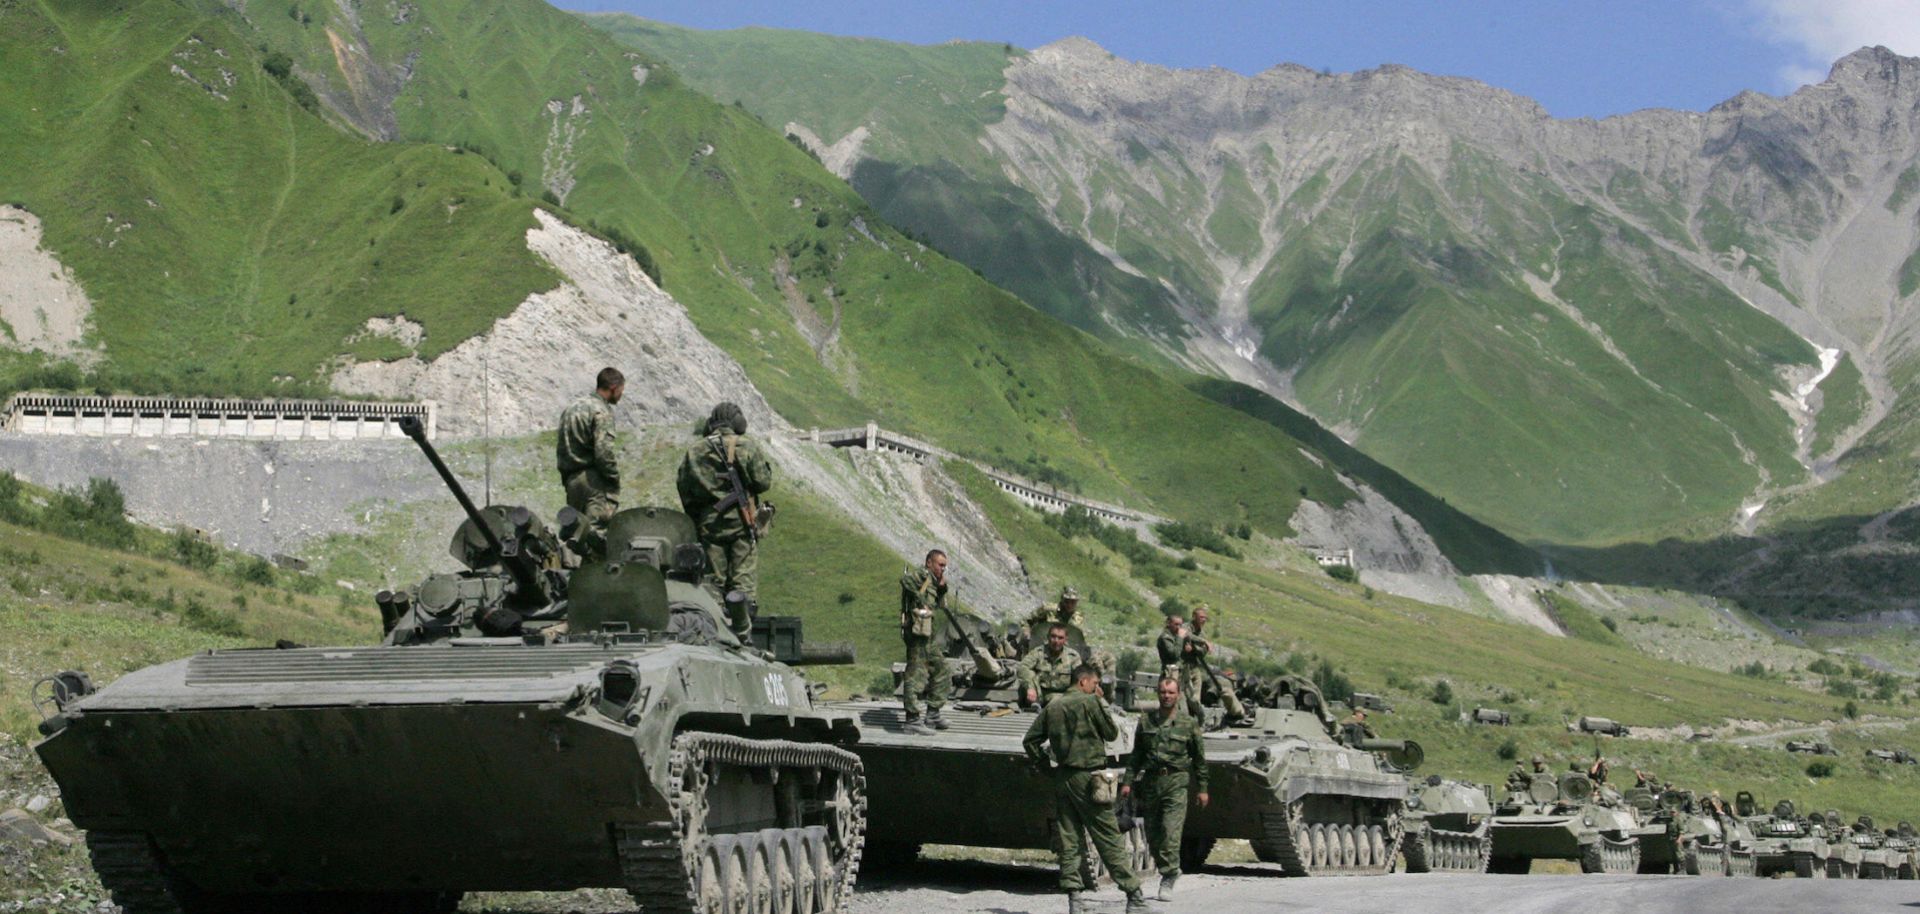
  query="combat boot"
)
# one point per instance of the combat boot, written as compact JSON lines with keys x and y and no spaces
{"x":918,"y":726}
{"x":1166,"y":886}
{"x":1137,"y":903}
{"x":936,"y":721}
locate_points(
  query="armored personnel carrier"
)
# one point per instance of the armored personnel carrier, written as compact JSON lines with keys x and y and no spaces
{"x":522,"y":728}
{"x":1306,"y":796}
{"x":971,"y":785}
{"x":1693,"y":840}
{"x":1784,"y":842}
{"x":1447,"y":826}
{"x":1878,"y":859}
{"x":1568,"y":817}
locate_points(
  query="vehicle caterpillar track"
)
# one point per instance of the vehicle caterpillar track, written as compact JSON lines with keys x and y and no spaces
{"x":678,"y":866}
{"x":1305,"y":847}
{"x":1439,"y":850}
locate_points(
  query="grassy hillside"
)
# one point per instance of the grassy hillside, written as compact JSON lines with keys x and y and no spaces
{"x":231,"y":240}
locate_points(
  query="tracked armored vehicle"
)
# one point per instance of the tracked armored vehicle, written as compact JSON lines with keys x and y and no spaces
{"x":971,"y":785}
{"x":1306,"y":796}
{"x":1447,"y":827}
{"x":1878,"y":858}
{"x":1783,"y":842}
{"x":1846,"y":858}
{"x":1905,"y":845}
{"x":1566,"y":818}
{"x":1692,"y":840}
{"x":522,"y":728}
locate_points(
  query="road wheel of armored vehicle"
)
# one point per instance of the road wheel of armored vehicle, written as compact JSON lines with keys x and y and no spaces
{"x":1741,"y":863}
{"x":1609,"y":856}
{"x":681,"y":865}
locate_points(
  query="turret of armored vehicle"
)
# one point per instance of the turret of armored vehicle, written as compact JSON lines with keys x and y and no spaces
{"x":1694,"y":840}
{"x":523,"y":729}
{"x":1446,"y":826}
{"x":1306,"y":795}
{"x":1784,"y":842}
{"x":1567,"y":817}
{"x":970,"y":785}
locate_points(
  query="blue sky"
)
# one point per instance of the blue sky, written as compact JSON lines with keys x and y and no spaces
{"x":1577,"y":57}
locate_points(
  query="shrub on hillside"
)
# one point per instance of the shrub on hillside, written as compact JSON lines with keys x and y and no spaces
{"x":1333,"y":684}
{"x":1442,"y":693}
{"x":1820,"y":769}
{"x":95,"y":513}
{"x":254,"y":570}
{"x":193,"y":551}
{"x":1851,"y":710}
{"x":1181,"y":535}
{"x":1343,"y":573}
{"x":1508,"y":750}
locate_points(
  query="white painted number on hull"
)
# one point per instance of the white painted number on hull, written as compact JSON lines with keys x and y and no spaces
{"x":776,"y":690}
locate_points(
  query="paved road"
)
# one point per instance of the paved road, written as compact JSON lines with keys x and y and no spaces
{"x":974,"y":888}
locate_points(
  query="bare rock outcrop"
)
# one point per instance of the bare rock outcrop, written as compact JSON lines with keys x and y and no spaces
{"x":42,"y":307}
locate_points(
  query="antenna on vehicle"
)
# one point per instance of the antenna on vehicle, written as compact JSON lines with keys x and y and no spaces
{"x":486,"y":414}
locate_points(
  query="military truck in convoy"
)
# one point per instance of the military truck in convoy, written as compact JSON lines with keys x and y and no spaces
{"x":1313,"y":799}
{"x":523,"y":727}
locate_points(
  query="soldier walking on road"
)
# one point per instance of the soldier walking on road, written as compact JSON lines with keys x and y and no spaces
{"x":1169,"y":763}
{"x":922,"y":592}
{"x":1047,"y":671}
{"x":589,"y":469}
{"x":728,"y":516}
{"x":1070,"y":739}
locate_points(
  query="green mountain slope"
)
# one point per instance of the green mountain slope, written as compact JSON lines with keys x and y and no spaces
{"x":230,"y":240}
{"x":1577,"y":331}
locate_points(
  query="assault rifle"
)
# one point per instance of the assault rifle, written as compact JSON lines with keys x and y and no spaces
{"x":756,"y":515}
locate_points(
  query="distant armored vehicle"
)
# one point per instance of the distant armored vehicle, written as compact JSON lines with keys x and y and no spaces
{"x":1567,"y":817}
{"x":1306,"y":800}
{"x":1809,"y":746}
{"x":1896,"y":756}
{"x":1447,"y":824}
{"x":1492,"y":716}
{"x":1599,"y":725}
{"x":484,"y":747}
{"x":1784,"y":842}
{"x":1370,"y":702}
{"x":1692,"y":840}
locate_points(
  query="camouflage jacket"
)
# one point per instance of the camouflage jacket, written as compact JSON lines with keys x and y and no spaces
{"x":1048,"y":675}
{"x":586,"y":439}
{"x":919,"y":590}
{"x":1169,"y":647}
{"x":1194,"y":647}
{"x":1163,"y":745}
{"x":703,"y":484}
{"x":1049,"y":613}
{"x":1072,"y":732}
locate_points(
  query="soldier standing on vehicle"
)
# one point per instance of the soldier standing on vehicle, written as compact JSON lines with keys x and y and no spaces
{"x":922,"y":591}
{"x":1356,"y":723}
{"x":1169,"y":646}
{"x":1195,"y":658}
{"x":1169,"y":764}
{"x":1047,"y":670}
{"x":589,"y":469}
{"x":1070,"y":739}
{"x":1067,"y":611}
{"x":721,"y":479}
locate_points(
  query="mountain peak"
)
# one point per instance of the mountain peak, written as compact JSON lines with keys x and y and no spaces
{"x":1077,"y":46}
{"x":1874,"y":64}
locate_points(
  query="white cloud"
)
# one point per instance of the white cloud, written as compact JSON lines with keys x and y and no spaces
{"x":1819,"y":32}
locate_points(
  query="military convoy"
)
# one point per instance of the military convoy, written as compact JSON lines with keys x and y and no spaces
{"x":550,"y":724}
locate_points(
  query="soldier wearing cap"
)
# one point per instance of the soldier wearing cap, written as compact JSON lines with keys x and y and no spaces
{"x":1195,"y":661}
{"x":1065,"y":612}
{"x":584,"y":455}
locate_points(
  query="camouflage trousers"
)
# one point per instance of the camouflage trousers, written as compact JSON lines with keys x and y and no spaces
{"x":597,"y":498}
{"x":736,"y":566}
{"x":926,"y":678}
{"x":1191,"y":689}
{"x":1161,"y":799}
{"x":1078,"y":821}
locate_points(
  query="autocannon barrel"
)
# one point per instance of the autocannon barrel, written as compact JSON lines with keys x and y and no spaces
{"x":825,"y":655}
{"x":414,"y":429}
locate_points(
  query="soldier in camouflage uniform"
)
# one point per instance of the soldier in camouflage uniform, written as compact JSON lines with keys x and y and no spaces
{"x":1195,"y":654}
{"x":589,"y":469}
{"x":1169,"y":762}
{"x":1172,"y":640}
{"x":732,"y":547}
{"x":922,"y":591}
{"x":1069,"y":739}
{"x":1067,"y":612}
{"x":1047,"y":671}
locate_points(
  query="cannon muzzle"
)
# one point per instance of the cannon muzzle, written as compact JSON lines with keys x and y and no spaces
{"x":1404,"y":754}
